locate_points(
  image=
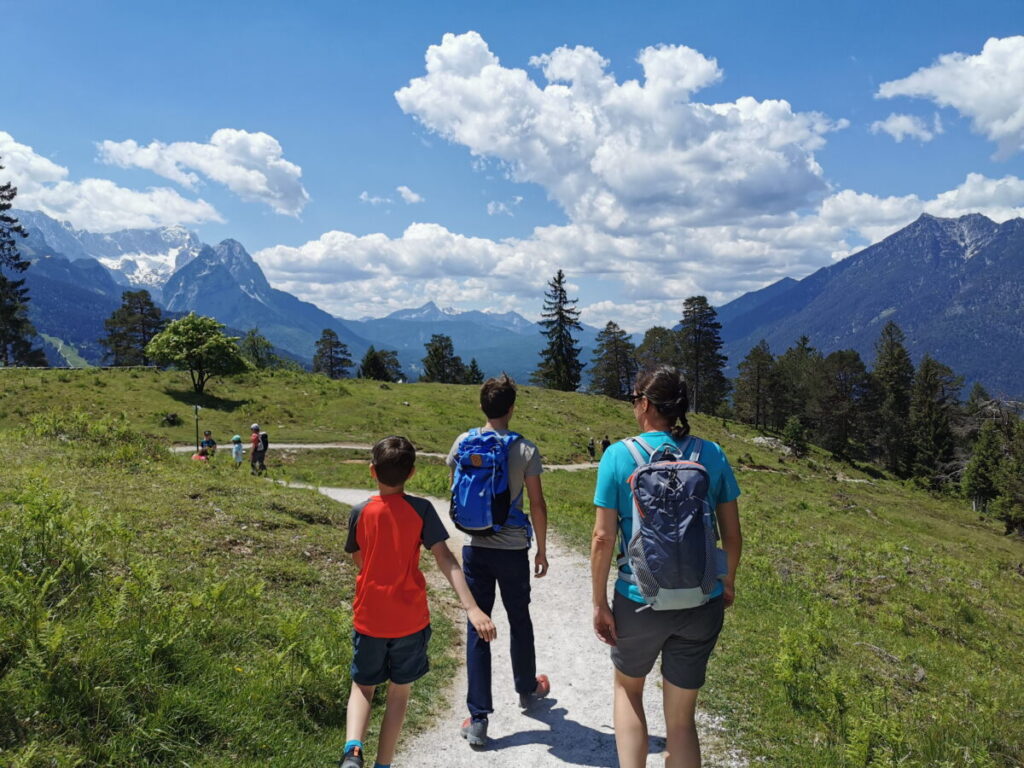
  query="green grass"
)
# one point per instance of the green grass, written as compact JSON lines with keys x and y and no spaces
{"x":157,"y":611}
{"x":67,"y":351}
{"x":299,"y":407}
{"x":875,"y":625}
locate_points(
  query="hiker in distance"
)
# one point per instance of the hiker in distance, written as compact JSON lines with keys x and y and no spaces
{"x":390,"y":615}
{"x":490,"y":466}
{"x":663,"y":496}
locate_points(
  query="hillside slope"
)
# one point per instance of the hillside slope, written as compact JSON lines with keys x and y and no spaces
{"x":955,"y":287}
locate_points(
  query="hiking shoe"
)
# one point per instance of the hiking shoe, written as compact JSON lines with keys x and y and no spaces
{"x":543,"y":689}
{"x":352,"y":759}
{"x":475,"y":731}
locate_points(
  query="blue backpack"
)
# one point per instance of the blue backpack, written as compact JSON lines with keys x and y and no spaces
{"x":673,"y":552}
{"x":482,"y":502}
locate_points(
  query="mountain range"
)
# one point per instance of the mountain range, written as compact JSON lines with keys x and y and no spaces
{"x":955,"y":287}
{"x":77,"y":278}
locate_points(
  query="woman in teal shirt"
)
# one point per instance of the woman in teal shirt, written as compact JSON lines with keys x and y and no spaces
{"x":683,"y":638}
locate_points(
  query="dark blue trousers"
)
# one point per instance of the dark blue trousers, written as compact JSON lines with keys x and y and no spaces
{"x":509,"y":570}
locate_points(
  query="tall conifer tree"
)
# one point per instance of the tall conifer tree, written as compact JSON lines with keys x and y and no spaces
{"x":894,"y":375}
{"x":441,"y":364}
{"x":473,"y":374}
{"x":660,"y":346}
{"x":843,"y":402}
{"x":331,"y":356}
{"x":559,"y":366}
{"x":131,"y":327}
{"x":614,"y":365}
{"x":797,"y":370}
{"x":16,"y":330}
{"x":933,"y":401}
{"x":982,"y":474}
{"x":702,"y":360}
{"x":755,"y":386}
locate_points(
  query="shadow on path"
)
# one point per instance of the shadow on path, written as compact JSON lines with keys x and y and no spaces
{"x":567,"y":740}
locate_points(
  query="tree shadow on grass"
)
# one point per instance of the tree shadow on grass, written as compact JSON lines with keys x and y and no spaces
{"x":569,"y":741}
{"x":206,"y":400}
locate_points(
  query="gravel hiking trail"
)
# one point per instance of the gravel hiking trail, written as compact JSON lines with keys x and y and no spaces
{"x":226,"y":447}
{"x":572,"y":726}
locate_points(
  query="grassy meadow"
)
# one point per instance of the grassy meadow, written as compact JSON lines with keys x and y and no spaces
{"x":172,"y":614}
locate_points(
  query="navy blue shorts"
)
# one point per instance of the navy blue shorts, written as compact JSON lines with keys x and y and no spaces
{"x":401,"y":660}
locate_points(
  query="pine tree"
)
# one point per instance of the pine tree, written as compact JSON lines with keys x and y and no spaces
{"x":473,"y":374}
{"x":559,"y":366}
{"x":441,"y":364}
{"x":257,"y":349}
{"x":797,"y":372}
{"x":894,"y":376}
{"x":1009,"y":505}
{"x":614,"y":365}
{"x":660,"y":346}
{"x":332,"y":356}
{"x":982,"y":474}
{"x":131,"y":327}
{"x":843,"y":401}
{"x":702,"y":361}
{"x":16,"y":330}
{"x":380,"y":365}
{"x":933,"y":401}
{"x":755,"y":386}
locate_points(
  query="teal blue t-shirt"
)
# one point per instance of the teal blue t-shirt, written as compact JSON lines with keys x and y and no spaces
{"x":612,"y":491}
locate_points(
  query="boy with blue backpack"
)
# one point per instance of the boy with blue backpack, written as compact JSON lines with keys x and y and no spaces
{"x":490,"y":467}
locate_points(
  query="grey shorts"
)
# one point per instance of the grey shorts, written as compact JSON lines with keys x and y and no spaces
{"x":684,"y":639}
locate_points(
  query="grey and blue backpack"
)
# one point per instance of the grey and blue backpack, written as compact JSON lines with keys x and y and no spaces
{"x":673,"y":552}
{"x":482,"y":502}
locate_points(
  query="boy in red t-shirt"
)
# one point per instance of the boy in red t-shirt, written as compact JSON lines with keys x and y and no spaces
{"x":391,"y":619}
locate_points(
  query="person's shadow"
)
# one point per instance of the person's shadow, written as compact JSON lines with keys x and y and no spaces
{"x":567,"y":740}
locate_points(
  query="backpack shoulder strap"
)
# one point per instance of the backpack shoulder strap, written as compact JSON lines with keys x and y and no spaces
{"x":631,"y":444}
{"x":696,"y":444}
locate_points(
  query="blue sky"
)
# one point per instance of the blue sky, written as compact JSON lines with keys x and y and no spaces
{"x":320,"y":78}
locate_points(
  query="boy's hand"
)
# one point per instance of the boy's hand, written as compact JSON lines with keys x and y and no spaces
{"x":540,"y":564}
{"x":729,"y":591}
{"x":482,"y":624}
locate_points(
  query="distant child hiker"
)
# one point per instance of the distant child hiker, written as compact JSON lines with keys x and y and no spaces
{"x":259,"y":443}
{"x":209,"y":443}
{"x":391,"y":618}
{"x":663,"y":496}
{"x":237,"y":450}
{"x":490,"y":467}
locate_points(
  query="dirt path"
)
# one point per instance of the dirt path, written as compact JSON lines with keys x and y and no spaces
{"x":226,"y":448}
{"x":573,"y":725}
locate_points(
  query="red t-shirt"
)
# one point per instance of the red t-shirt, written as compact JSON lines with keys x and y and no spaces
{"x":255,"y":441}
{"x":391,"y":593}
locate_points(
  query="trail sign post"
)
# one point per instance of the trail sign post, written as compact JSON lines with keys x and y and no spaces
{"x":197,"y":409}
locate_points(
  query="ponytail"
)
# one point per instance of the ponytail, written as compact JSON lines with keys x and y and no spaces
{"x":665,"y":388}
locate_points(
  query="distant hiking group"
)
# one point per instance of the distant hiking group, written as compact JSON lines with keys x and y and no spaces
{"x":259,"y":444}
{"x":665,"y":498}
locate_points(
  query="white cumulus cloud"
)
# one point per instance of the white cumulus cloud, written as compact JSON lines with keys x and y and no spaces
{"x":987,"y":87}
{"x":901,"y":127}
{"x":626,"y":157}
{"x":408,"y":195}
{"x":251,"y":165}
{"x":97,"y":205}
{"x":665,"y":196}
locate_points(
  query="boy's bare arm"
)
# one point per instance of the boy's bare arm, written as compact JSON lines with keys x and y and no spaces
{"x":539,"y":517}
{"x":357,"y":558}
{"x":452,"y":571}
